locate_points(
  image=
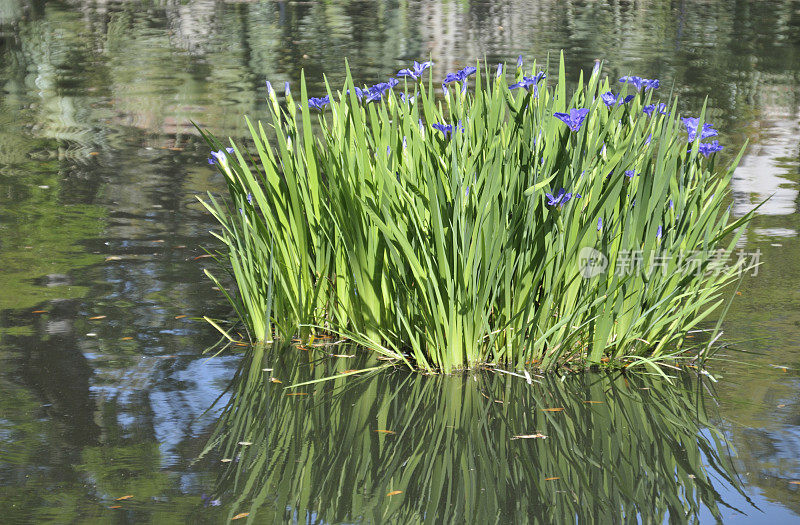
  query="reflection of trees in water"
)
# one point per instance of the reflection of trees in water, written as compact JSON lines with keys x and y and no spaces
{"x":159,"y":68}
{"x":85,"y":420}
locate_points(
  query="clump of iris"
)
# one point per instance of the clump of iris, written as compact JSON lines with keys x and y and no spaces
{"x":579,"y":140}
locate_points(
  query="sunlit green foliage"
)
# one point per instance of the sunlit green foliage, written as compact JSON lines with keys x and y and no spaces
{"x":445,"y":250}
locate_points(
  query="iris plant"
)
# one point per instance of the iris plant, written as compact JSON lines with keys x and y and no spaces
{"x":415,"y":71}
{"x":609,"y":99}
{"x":527,"y":82}
{"x":639,"y":83}
{"x":692,"y":123}
{"x":711,"y":147}
{"x":219,"y":157}
{"x":574,"y":119}
{"x":459,"y":76}
{"x":660,"y":107}
{"x":444,"y":254}
{"x":319,"y":103}
{"x":561,"y":198}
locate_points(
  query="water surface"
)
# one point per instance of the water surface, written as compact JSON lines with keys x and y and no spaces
{"x":103,"y":386}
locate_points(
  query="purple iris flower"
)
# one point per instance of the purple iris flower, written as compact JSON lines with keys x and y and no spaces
{"x":519,"y":62}
{"x":659,"y":232}
{"x":709,"y":148}
{"x":219,"y":156}
{"x":630,"y":174}
{"x":270,"y":91}
{"x":359,"y":92}
{"x":375,"y":93}
{"x":661,"y":108}
{"x":499,"y":72}
{"x":416,"y":71}
{"x":648,"y":139}
{"x":561,"y":198}
{"x":599,"y":224}
{"x":407,"y":98}
{"x":639,"y":83}
{"x":574,"y":119}
{"x":318,"y":102}
{"x":691,"y":124}
{"x":446,"y":129}
{"x":250,"y":198}
{"x":286,"y":90}
{"x":459,"y":76}
{"x":527,"y":82}
{"x":609,"y":99}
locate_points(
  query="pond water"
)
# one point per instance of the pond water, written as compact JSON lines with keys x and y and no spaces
{"x":104,"y":388}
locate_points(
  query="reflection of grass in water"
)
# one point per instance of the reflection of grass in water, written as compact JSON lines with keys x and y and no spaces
{"x":640,"y":452}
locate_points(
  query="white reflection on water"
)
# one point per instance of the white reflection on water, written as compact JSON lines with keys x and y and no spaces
{"x":761,"y":173}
